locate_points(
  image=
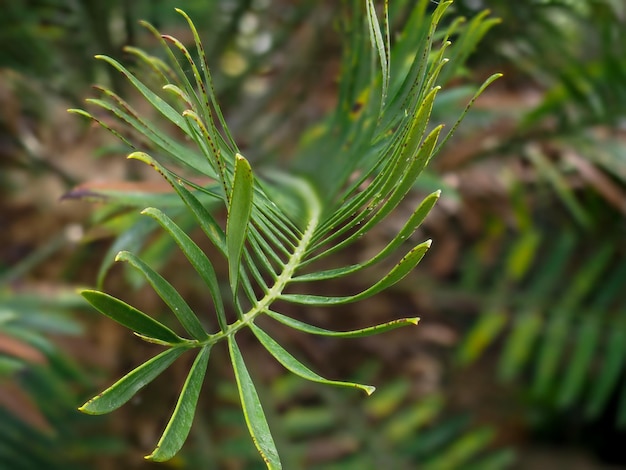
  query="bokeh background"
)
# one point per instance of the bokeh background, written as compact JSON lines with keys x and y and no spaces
{"x":519,"y":358}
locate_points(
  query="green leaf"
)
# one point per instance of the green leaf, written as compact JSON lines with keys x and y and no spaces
{"x":481,"y":336}
{"x":460,"y":452}
{"x":293,"y":365}
{"x":239,"y":211}
{"x":102,"y":124}
{"x":178,"y":427}
{"x":399,"y":271}
{"x":127,"y":196}
{"x":380,"y":45}
{"x":520,"y":344}
{"x":130,"y":317}
{"x":609,"y":374}
{"x":404,"y":424}
{"x":169,"y":294}
{"x":369,"y":331}
{"x":571,"y":386}
{"x":252,"y":410}
{"x":155,"y":100}
{"x":196,"y":257}
{"x":522,"y":255}
{"x":469,"y":105}
{"x":125,"y":388}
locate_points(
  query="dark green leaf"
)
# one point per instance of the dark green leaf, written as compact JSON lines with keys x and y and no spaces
{"x":295,"y":366}
{"x":481,"y":335}
{"x":252,"y":410}
{"x":239,"y":211}
{"x":314,"y":330}
{"x":130,"y":317}
{"x":155,"y":100}
{"x":571,"y":386}
{"x":179,"y":424}
{"x":125,"y":388}
{"x":520,"y":344}
{"x":609,"y":374}
{"x":380,"y":45}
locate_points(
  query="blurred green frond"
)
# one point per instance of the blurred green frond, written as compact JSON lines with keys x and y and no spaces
{"x":39,"y":386}
{"x":557,"y":308}
{"x":568,"y":57}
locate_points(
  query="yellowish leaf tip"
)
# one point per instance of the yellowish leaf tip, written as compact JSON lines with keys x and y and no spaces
{"x":141,"y":156}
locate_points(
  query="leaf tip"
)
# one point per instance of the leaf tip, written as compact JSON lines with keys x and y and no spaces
{"x":142,"y":157}
{"x":156,"y":455}
{"x":241,"y":158}
{"x":151,"y":211}
{"x":85,"y":292}
{"x":369,"y":389}
{"x":428,"y":243}
{"x":86,"y":409}
{"x":121,"y":256}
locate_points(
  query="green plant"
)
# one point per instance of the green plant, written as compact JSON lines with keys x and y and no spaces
{"x":350,"y":174}
{"x":40,"y":384}
{"x":569,"y":351}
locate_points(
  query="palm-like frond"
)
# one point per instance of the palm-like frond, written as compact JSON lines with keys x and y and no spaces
{"x":279,"y":223}
{"x":566,"y":332}
{"x":39,"y":384}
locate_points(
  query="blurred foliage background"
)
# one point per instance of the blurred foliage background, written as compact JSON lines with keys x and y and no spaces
{"x":519,"y":359}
